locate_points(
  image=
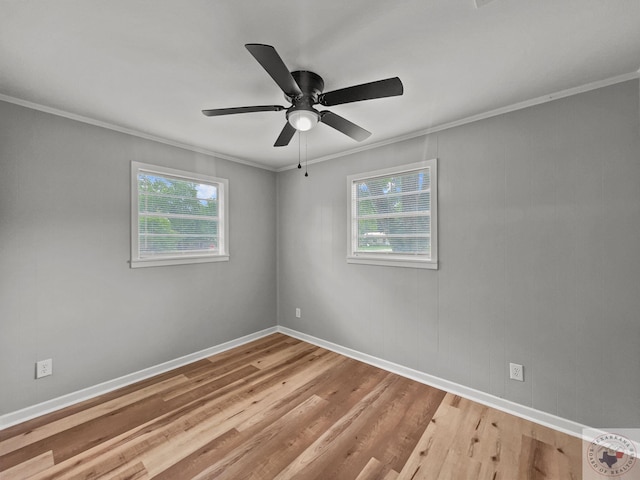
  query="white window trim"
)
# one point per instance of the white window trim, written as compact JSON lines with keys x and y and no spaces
{"x":391,"y":260}
{"x":223,"y":205}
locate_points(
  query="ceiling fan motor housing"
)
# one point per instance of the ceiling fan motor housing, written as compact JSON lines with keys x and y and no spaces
{"x":311,"y":85}
{"x":301,"y":114}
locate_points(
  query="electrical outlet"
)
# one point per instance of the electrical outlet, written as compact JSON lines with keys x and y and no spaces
{"x":516,"y":372}
{"x":298,"y":313}
{"x":44,"y":368}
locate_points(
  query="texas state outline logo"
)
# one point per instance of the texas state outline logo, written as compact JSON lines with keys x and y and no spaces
{"x":612,"y":455}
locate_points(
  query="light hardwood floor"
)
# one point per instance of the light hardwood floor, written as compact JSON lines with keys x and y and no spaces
{"x":279,"y":408}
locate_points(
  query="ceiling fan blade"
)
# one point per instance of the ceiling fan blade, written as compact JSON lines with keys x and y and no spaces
{"x":267,"y":56}
{"x":230,"y":111}
{"x":345,"y":126}
{"x":285,"y":135}
{"x":390,"y":87}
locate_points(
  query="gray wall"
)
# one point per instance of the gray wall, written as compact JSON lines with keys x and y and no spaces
{"x":66,"y":289}
{"x":539,"y":262}
{"x":539,"y":237}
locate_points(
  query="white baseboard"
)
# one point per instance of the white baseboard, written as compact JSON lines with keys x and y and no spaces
{"x":542,"y":418}
{"x":528,"y":413}
{"x":54,"y":404}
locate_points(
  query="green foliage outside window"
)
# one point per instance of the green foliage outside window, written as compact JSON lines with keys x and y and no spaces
{"x":393,"y":213}
{"x":176,"y":216}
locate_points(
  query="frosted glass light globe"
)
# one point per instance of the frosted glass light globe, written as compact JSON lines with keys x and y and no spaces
{"x":303,"y":120}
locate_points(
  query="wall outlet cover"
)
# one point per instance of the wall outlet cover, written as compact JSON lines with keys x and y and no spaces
{"x":516,"y":372}
{"x":44,"y":368}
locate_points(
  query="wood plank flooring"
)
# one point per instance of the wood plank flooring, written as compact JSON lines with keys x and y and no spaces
{"x":279,"y":408}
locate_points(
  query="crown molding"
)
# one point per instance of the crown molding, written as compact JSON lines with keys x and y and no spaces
{"x":418,"y":133}
{"x":481,"y":116}
{"x":128,"y":131}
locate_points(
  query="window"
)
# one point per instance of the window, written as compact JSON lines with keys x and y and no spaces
{"x":393,"y":216}
{"x":177,"y":217}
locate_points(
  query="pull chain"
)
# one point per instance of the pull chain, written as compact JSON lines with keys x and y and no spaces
{"x":306,"y":157}
{"x":299,"y":149}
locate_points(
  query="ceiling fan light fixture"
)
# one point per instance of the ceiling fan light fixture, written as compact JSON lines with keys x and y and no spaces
{"x":303,"y":89}
{"x":303,"y":120}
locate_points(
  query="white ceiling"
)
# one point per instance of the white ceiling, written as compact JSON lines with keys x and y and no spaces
{"x":151,"y":66}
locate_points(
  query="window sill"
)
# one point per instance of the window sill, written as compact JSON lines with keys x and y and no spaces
{"x":392,"y":261}
{"x":161,"y":262}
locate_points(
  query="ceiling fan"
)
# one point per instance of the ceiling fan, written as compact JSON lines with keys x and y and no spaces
{"x":303,"y":89}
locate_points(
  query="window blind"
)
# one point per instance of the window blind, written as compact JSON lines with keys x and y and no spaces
{"x":391,"y":213}
{"x":177,"y":216}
